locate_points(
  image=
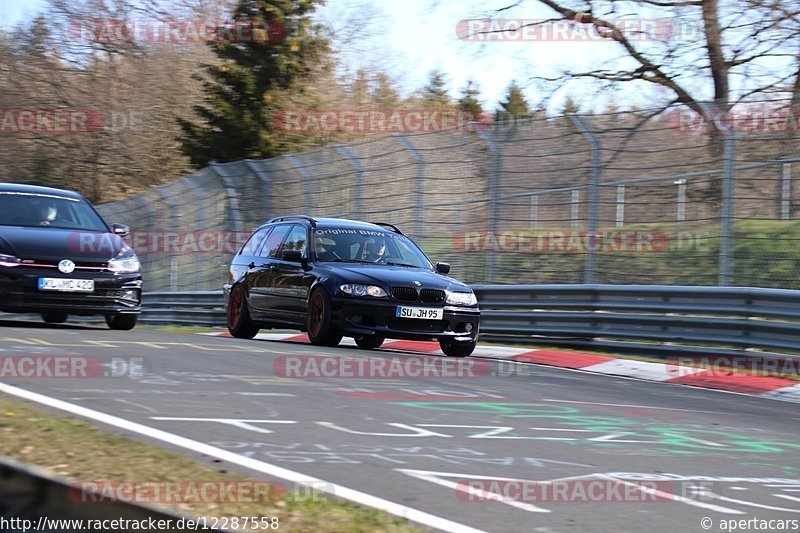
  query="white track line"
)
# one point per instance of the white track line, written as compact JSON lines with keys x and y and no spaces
{"x":338,"y":491}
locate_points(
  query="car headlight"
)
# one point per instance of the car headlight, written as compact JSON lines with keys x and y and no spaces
{"x":125,"y":265}
{"x":9,"y":260}
{"x":362,"y":290}
{"x":462,"y":298}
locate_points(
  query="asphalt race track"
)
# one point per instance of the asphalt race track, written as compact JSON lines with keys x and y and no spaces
{"x":632,"y":456}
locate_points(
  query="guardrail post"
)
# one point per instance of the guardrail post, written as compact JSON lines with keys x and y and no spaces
{"x":494,"y":187}
{"x":419,"y":193}
{"x":726,"y":233}
{"x":786,"y":191}
{"x":359,"y":184}
{"x":594,"y":198}
{"x":307,"y":204}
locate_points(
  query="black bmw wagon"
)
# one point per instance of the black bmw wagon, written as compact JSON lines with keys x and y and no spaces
{"x":334,"y":278}
{"x":58,"y":257}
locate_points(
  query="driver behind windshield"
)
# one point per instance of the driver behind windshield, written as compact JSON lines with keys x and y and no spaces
{"x":47,"y":213}
{"x":374,"y":250}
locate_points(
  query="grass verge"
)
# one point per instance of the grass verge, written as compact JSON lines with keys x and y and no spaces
{"x":78,"y":450}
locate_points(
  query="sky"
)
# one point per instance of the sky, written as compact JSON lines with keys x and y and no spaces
{"x":410,"y":38}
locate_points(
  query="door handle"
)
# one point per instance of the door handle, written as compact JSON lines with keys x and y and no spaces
{"x":251,"y":265}
{"x":273,"y":267}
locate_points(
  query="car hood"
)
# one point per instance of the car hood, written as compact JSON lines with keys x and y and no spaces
{"x":52,"y":244}
{"x":393,"y":276}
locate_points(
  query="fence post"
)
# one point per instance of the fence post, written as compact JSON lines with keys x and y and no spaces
{"x":534,"y":210}
{"x":234,"y":213}
{"x":494,"y":187}
{"x":359,"y":184}
{"x":726,"y":234}
{"x":198,"y":261}
{"x":139,"y":198}
{"x":786,"y":191}
{"x":681,"y":208}
{"x":594,"y":197}
{"x":620,"y":205}
{"x":419,"y":193}
{"x":574,"y":208}
{"x":266,"y":186}
{"x":175,"y":222}
{"x":307,"y":204}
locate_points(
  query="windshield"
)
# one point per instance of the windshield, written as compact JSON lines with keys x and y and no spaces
{"x":367,"y":246}
{"x":48,"y":211}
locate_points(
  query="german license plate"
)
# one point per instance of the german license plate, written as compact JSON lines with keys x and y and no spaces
{"x":66,"y":285}
{"x":424,"y":313}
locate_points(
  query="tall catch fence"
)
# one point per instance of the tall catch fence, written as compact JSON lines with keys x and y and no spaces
{"x":609,"y":198}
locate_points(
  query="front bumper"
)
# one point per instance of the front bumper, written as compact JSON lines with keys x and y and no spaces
{"x":113,"y":293}
{"x":357,"y":317}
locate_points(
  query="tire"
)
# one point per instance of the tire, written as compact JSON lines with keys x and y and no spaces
{"x":369,"y":343}
{"x":240,"y":325}
{"x":319,"y":322}
{"x":121,"y":322}
{"x":457,"y":349}
{"x":54,"y":318}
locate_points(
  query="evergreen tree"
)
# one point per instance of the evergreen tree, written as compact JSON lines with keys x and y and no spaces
{"x":515,"y":105}
{"x":570,"y":107}
{"x":468,"y":102}
{"x":434,"y":95}
{"x":384,"y":94}
{"x":255,"y":66}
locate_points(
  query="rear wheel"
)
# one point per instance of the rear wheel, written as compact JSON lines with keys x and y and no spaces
{"x":239,"y":323}
{"x":121,"y":322}
{"x":321,"y":330}
{"x":457,"y":349}
{"x":54,"y":318}
{"x":368,"y":343}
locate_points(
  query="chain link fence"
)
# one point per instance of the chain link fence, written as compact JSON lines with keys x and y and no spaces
{"x":622,"y":198}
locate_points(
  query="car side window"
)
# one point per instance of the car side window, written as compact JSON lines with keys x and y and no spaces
{"x":296,"y":240}
{"x":272,"y":244}
{"x":252,"y":244}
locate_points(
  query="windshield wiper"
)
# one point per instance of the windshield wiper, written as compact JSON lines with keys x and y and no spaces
{"x":400,"y":264}
{"x":349,"y":261}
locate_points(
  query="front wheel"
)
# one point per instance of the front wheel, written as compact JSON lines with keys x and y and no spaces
{"x":121,"y":322}
{"x":368,"y":343}
{"x":54,"y":318}
{"x":457,"y":349}
{"x":239,"y":323}
{"x":321,"y":331}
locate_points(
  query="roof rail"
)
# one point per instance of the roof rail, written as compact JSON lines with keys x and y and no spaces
{"x":390,"y":226}
{"x":294,"y":217}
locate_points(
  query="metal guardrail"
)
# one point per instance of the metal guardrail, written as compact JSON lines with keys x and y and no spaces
{"x":31,"y":493}
{"x":652,"y":320}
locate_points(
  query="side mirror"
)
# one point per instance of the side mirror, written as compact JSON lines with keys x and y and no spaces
{"x":121,"y":229}
{"x":293,"y":256}
{"x":443,"y":268}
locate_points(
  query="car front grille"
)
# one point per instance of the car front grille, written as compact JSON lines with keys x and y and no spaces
{"x":404,"y":294}
{"x":431,"y":296}
{"x":412,"y":324}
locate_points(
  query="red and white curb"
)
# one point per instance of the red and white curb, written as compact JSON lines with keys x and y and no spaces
{"x":767,"y":387}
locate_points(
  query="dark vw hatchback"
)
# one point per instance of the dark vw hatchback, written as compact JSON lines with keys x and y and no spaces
{"x":58,"y":257}
{"x":335,"y":278}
